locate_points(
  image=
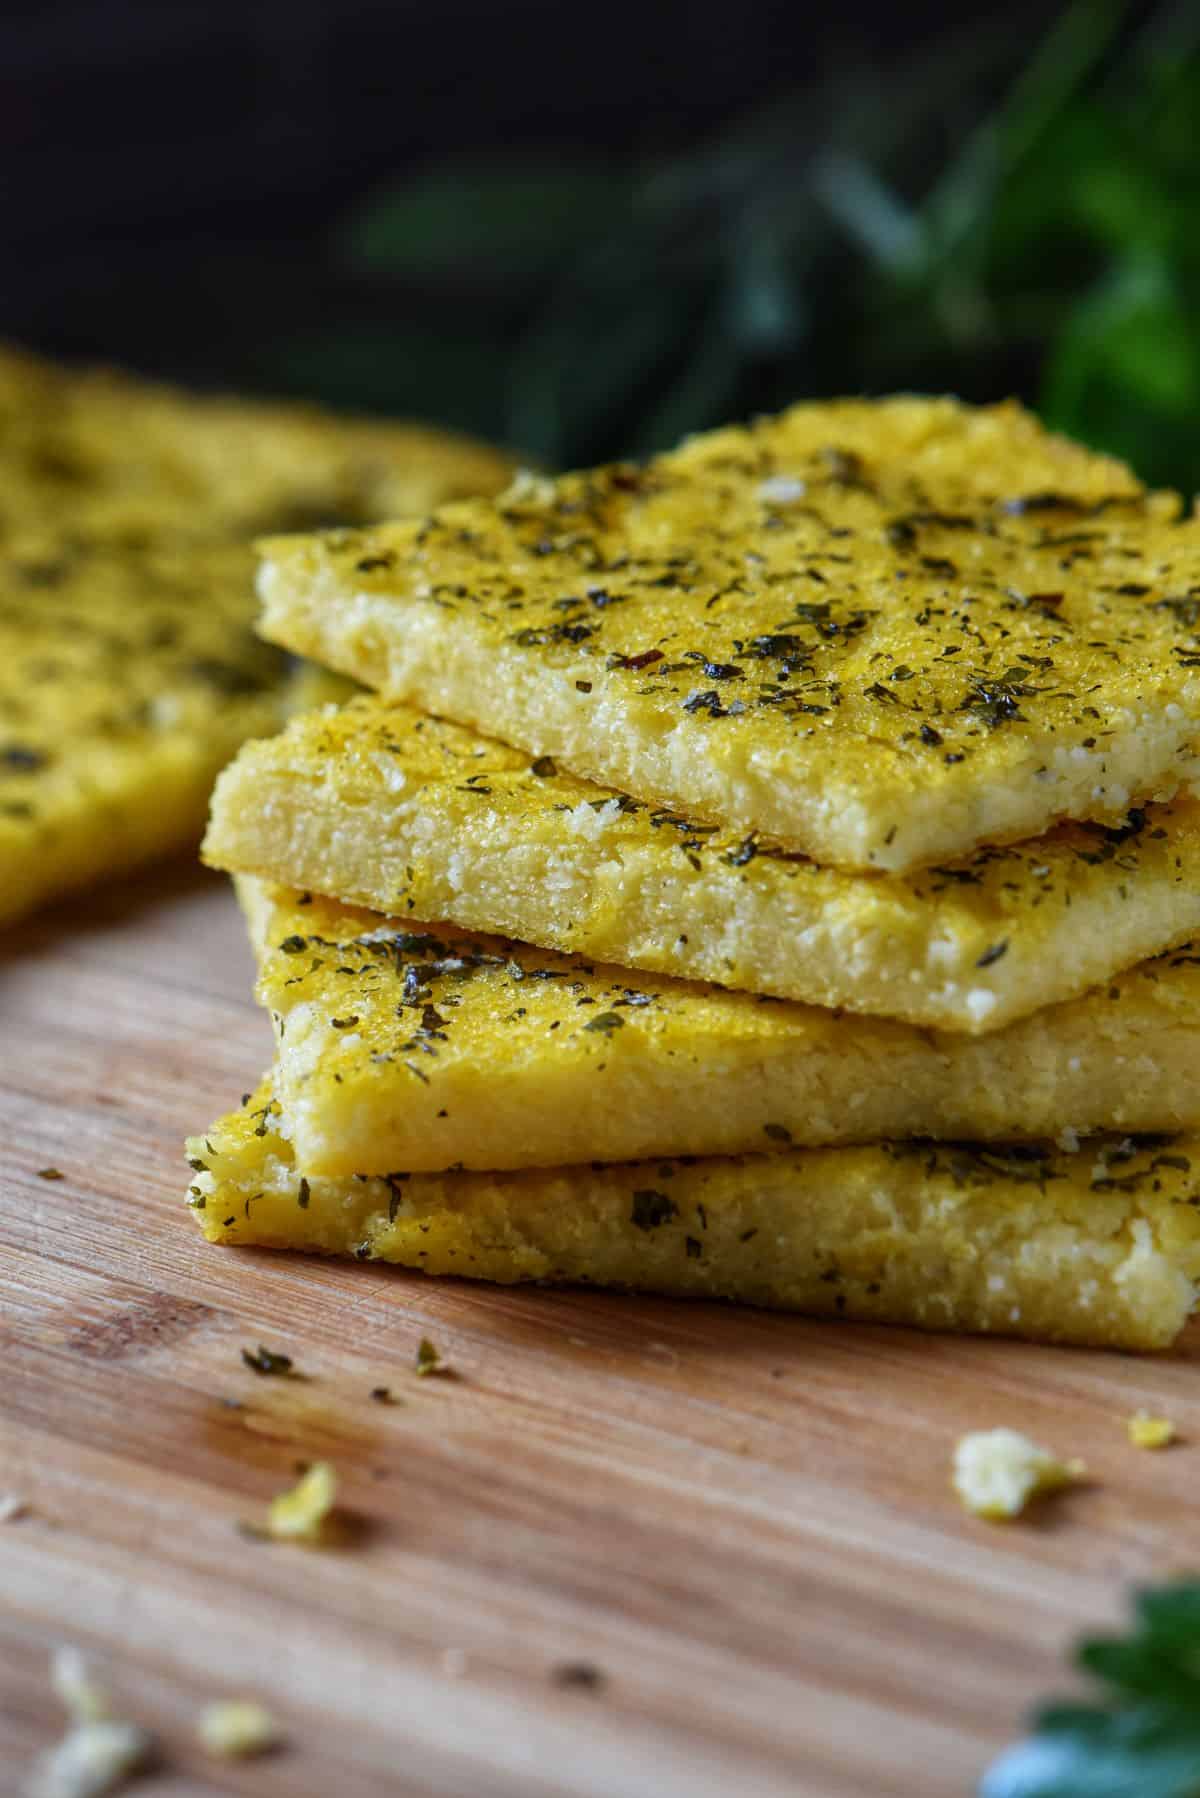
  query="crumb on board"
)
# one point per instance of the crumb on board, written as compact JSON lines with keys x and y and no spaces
{"x":13,"y":1507}
{"x":237,"y":1728}
{"x":429,"y":1359}
{"x":98,"y":1752}
{"x":578,"y":1676}
{"x":77,"y":1691}
{"x":50,"y":1173}
{"x":90,"y":1761}
{"x":299,"y":1514}
{"x":998,"y":1472}
{"x":1146,"y":1431}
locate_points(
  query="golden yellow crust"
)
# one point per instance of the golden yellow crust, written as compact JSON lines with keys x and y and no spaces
{"x":408,"y":1048}
{"x":129,"y":671}
{"x":880,"y":632}
{"x":1101,"y":1247}
{"x":400,"y":812}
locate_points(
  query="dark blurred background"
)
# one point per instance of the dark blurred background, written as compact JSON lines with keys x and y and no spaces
{"x":588,"y":229}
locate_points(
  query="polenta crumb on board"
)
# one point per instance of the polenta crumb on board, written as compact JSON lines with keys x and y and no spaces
{"x":998,"y":1473}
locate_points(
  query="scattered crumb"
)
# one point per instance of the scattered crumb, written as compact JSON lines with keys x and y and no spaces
{"x":428,"y":1359}
{"x":299,"y":1514}
{"x":12,"y":1507}
{"x":50,"y":1173}
{"x":997,"y":1472}
{"x":83,"y":1700}
{"x":263,"y":1361}
{"x":578,"y":1676}
{"x":383,"y":1395}
{"x":1150,"y":1432}
{"x":98,"y":1752}
{"x":237,"y":1728}
{"x":91,"y":1760}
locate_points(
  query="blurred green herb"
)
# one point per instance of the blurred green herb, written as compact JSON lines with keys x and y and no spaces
{"x":1143,"y":1739}
{"x":983,"y":218}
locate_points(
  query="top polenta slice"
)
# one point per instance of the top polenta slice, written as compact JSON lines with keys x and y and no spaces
{"x":129,"y":670}
{"x":881,"y":632}
{"x":389,"y":808}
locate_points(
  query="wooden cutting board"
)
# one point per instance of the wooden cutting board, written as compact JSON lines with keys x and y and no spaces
{"x":741,"y":1522}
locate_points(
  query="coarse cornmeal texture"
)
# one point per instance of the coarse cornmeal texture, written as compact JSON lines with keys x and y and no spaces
{"x":403,"y":813}
{"x":1101,"y":1247}
{"x":880,"y":632}
{"x":407,"y":1048}
{"x":129,"y":670}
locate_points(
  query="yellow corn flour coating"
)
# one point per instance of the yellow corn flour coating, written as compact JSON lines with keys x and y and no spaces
{"x":401,"y":1047}
{"x":880,"y":632}
{"x":407,"y":814}
{"x":129,"y":670}
{"x":1100,"y":1247}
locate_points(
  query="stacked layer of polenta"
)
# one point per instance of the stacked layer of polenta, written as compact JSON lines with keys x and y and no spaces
{"x":839,"y":768}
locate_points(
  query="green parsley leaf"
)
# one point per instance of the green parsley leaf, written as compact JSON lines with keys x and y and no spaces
{"x":605,"y":1022}
{"x":1142,"y":1739}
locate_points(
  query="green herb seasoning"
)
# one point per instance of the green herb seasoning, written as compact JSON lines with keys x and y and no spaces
{"x":264,"y":1361}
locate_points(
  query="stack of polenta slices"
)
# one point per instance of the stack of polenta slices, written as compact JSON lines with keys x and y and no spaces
{"x":838,"y":768}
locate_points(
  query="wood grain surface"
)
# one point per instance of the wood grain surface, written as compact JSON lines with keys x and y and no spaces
{"x":742,"y":1521}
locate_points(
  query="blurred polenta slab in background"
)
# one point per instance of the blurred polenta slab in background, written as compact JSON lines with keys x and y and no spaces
{"x":129,"y":668}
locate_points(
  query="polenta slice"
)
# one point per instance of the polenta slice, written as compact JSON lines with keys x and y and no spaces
{"x":881,"y":633}
{"x":406,"y":814}
{"x":116,"y":457}
{"x":129,"y":671}
{"x":1100,"y":1247}
{"x":407,"y":1048}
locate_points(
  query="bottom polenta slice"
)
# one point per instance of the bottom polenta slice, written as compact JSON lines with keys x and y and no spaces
{"x":1099,"y":1247}
{"x":405,"y":1047}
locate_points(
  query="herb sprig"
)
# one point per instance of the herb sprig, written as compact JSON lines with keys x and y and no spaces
{"x":1010,"y":209}
{"x":1142,"y":1738}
